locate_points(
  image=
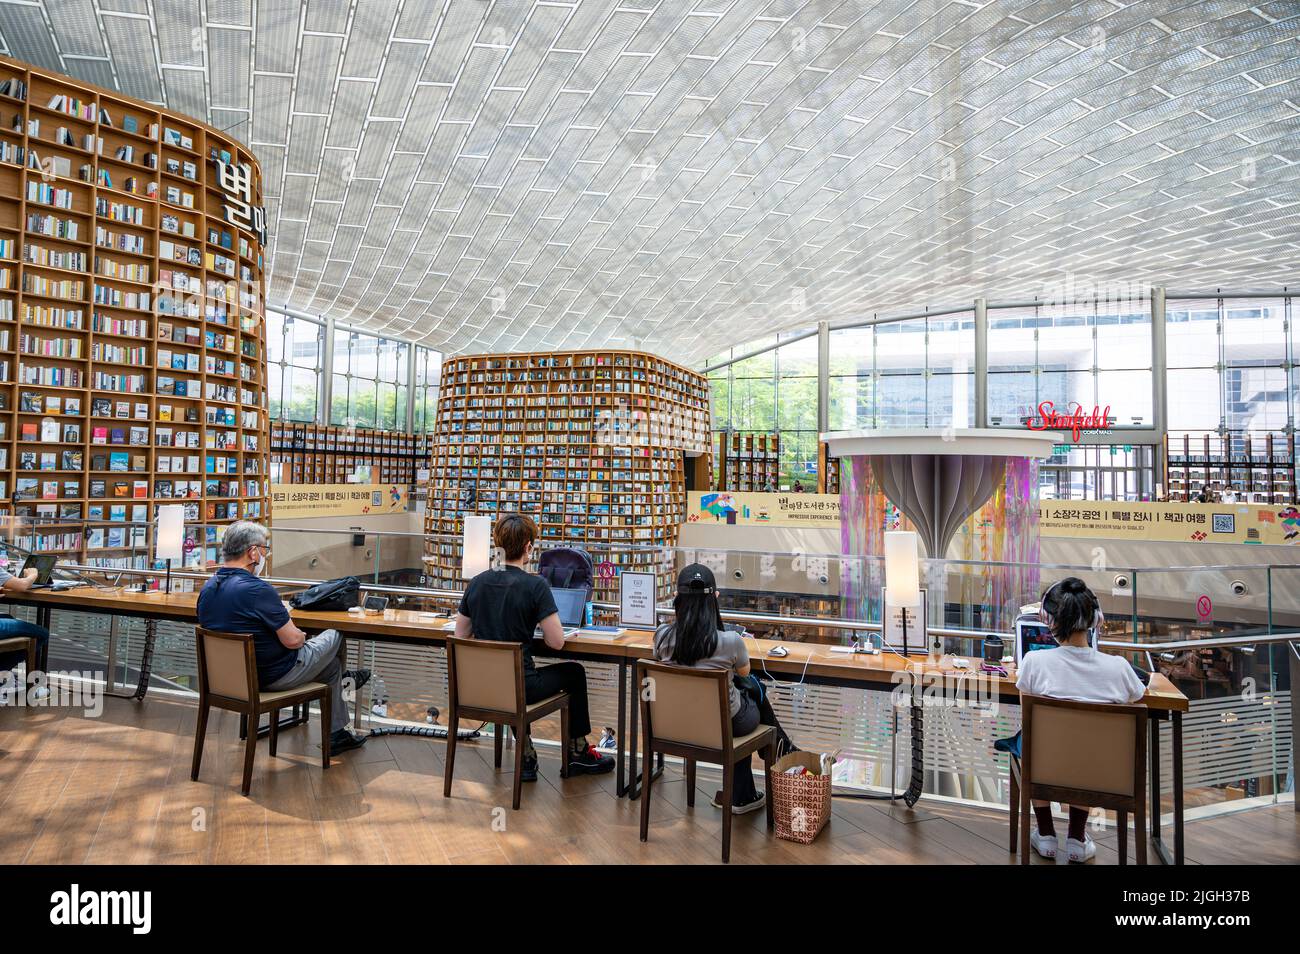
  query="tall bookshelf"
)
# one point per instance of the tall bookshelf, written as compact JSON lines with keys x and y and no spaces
{"x":1261,"y":470}
{"x":749,"y":462}
{"x":591,"y":444}
{"x":132,"y":340}
{"x":828,"y":470}
{"x":330,"y":454}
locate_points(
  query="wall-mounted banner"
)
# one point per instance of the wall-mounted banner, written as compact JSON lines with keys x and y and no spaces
{"x":296,"y":501}
{"x":1170,"y":522}
{"x":770,"y":510}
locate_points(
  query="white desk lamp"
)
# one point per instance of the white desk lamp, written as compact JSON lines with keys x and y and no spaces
{"x":169,"y":536}
{"x":902,"y":575}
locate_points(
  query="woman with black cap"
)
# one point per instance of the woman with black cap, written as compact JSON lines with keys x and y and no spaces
{"x":697,"y":638}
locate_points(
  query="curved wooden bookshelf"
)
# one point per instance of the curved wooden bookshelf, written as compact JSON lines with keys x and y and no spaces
{"x":590,"y":444}
{"x":132,"y":333}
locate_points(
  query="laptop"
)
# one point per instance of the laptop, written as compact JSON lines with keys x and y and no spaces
{"x":44,"y":566}
{"x":1032,"y":634}
{"x":572,"y":604}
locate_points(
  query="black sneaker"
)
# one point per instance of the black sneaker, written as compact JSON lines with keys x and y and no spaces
{"x":529,"y":774}
{"x":744,"y":808}
{"x":589,"y":762}
{"x":344,"y":741}
{"x":356,"y":678}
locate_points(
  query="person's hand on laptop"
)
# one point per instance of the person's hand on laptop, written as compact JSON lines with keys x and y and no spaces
{"x":30,"y":574}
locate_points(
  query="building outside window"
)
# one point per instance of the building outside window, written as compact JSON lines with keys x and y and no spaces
{"x":370,"y":381}
{"x":293,"y":350}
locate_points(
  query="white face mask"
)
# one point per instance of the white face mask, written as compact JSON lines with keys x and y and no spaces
{"x":260,"y":563}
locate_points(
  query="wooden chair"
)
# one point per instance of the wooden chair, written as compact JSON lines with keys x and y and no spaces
{"x":1085,"y":754}
{"x":228,"y":680}
{"x":25,"y":643}
{"x":485,"y":681}
{"x":687,"y":713}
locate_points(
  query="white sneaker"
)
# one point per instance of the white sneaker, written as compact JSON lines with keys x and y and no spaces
{"x":1045,"y":845}
{"x":1080,"y":851}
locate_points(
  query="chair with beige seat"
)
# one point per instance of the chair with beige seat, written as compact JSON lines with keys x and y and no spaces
{"x":228,"y":680}
{"x":685,"y":712}
{"x":485,"y":680}
{"x":28,"y":645}
{"x":1081,"y":753}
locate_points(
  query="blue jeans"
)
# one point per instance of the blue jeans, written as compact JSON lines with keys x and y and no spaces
{"x":10,"y":627}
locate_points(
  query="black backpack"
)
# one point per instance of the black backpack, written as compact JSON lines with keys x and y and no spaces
{"x":330,"y":596}
{"x":567,"y":568}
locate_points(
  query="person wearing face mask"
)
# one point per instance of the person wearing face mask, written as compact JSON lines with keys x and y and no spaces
{"x":235,"y":600}
{"x":1076,"y":671}
{"x":508,"y":605}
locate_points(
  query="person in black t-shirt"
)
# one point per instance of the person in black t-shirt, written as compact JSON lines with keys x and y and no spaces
{"x":508,"y":605}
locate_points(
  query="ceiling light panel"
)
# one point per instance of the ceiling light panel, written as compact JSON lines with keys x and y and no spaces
{"x":493,"y":174}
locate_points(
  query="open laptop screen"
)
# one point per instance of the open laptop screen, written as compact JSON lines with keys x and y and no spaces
{"x":44,"y":564}
{"x":571,"y":603}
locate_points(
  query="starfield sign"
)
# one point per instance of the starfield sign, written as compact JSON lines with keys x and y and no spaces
{"x":1077,"y":421}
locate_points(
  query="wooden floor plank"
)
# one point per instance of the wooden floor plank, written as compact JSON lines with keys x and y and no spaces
{"x":117,"y":790}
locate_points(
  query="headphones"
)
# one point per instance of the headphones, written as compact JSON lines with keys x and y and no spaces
{"x":1045,"y":616}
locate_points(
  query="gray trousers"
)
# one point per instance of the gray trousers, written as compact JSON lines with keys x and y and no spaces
{"x":318,"y":661}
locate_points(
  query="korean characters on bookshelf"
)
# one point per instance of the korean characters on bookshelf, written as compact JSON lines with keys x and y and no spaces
{"x":132,"y":366}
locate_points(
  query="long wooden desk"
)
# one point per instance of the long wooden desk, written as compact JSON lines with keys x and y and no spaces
{"x":806,"y":662}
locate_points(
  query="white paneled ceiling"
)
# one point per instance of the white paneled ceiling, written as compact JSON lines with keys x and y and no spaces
{"x":688,"y":174}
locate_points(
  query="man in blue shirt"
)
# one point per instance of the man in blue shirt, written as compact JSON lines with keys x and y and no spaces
{"x":234,"y":600}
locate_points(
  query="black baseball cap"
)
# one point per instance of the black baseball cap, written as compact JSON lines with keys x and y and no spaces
{"x":696,"y":578}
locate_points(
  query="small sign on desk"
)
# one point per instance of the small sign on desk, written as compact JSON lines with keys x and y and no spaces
{"x":636,"y":600}
{"x":916,"y":626}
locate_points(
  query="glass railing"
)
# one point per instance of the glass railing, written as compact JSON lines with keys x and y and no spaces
{"x":1196,"y":625}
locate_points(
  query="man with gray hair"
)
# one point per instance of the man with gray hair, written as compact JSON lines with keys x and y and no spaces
{"x":235,"y":600}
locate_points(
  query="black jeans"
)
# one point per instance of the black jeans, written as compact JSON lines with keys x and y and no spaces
{"x":754,"y":711}
{"x":742,"y":775}
{"x":570,"y":677}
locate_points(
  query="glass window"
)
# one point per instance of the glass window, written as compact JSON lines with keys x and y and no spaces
{"x":370,"y":381}
{"x":428,"y":374}
{"x":293,"y":350}
{"x":1013,"y":359}
{"x":1192,"y":334}
{"x":1194,"y":400}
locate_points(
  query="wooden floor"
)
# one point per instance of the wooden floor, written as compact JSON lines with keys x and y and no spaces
{"x":117,"y":790}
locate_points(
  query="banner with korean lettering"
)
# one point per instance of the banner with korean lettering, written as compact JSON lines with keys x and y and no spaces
{"x":768,"y":510}
{"x":1170,"y":522}
{"x":296,"y":501}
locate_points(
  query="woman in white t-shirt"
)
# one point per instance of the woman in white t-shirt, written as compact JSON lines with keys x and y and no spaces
{"x":1076,"y":671}
{"x":697,"y":638}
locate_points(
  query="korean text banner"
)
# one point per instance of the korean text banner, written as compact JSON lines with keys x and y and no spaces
{"x":771,"y":510}
{"x":294,"y":501}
